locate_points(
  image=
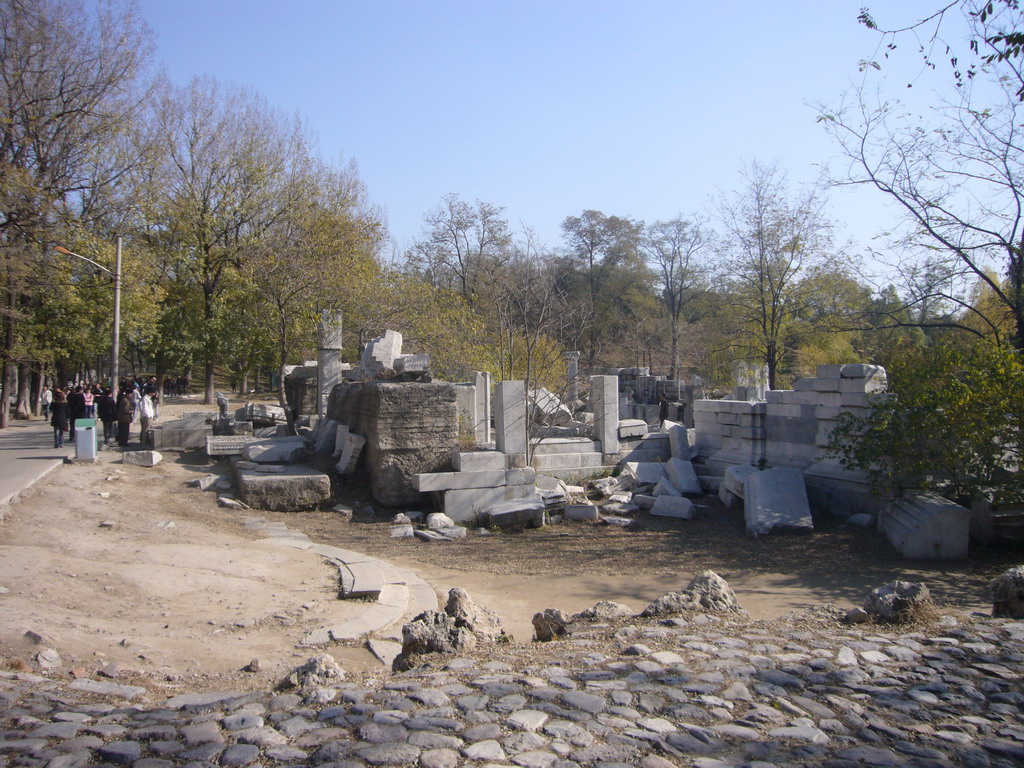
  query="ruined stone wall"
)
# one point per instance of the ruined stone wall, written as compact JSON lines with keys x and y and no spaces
{"x":410,"y":428}
{"x":791,"y":429}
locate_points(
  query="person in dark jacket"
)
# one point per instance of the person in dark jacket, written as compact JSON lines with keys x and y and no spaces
{"x":107,"y":410}
{"x":125,"y":414}
{"x":59,"y":417}
{"x":76,"y":409}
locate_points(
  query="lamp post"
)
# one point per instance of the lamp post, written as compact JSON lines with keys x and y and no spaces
{"x":115,"y":353}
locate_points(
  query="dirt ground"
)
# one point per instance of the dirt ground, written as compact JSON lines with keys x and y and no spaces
{"x":127,"y":571}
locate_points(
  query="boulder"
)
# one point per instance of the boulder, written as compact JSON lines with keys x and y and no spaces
{"x":707,"y":592}
{"x":1007,"y":591}
{"x":438,"y":520}
{"x":898,"y":601}
{"x":317,"y":672}
{"x":602,"y":610}
{"x":549,"y":624}
{"x":462,"y":625}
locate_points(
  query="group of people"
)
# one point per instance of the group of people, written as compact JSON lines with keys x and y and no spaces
{"x":137,"y":399}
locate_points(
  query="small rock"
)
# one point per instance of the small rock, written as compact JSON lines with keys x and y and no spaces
{"x":252,"y":666}
{"x":107,"y":524}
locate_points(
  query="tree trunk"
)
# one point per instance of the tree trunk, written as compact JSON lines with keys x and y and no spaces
{"x":23,"y":407}
{"x":243,"y":386}
{"x":37,"y":388}
{"x":208,"y":377}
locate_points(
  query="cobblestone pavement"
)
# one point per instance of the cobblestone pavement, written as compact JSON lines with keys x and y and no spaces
{"x":700,"y":691}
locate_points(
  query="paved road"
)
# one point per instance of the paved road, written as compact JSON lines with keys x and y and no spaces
{"x":27,"y":455}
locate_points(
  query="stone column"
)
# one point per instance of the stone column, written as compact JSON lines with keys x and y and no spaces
{"x":328,"y":363}
{"x":482,"y":425}
{"x":573,"y":373}
{"x":510,"y":420}
{"x":605,"y":396}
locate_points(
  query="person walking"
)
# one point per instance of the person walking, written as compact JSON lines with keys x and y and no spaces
{"x":76,"y":409}
{"x":45,"y":399}
{"x":125,"y":414}
{"x":59,"y":418}
{"x":107,"y":410}
{"x":147,"y":412}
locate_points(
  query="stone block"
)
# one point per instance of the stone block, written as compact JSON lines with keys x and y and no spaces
{"x":510,"y":417}
{"x":380,"y":353}
{"x":340,"y":436}
{"x":430,"y":536}
{"x":528,"y":512}
{"x":228,"y":445}
{"x":412,"y":364}
{"x":826,"y":385}
{"x":829,"y":371}
{"x":679,"y":443}
{"x":605,"y":401}
{"x":283,"y":450}
{"x":350,"y":453}
{"x":581,"y":512}
{"x":643,"y":500}
{"x":664,"y":487}
{"x":296,"y":488}
{"x":520,"y":476}
{"x":326,"y":437}
{"x":465,"y":505}
{"x":645,"y":472}
{"x":776,"y":500}
{"x":927,"y":527}
{"x":447,"y":481}
{"x":853,"y":400}
{"x":632,"y":428}
{"x":478,"y":461}
{"x":141,"y":458}
{"x":736,"y":477}
{"x":410,"y":428}
{"x":673,"y":506}
{"x":436,"y":520}
{"x":683,"y":476}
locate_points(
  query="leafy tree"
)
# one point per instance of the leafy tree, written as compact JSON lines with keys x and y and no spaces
{"x":222,"y":155}
{"x":777,"y":251}
{"x":69,"y":83}
{"x":955,"y":425}
{"x":603,"y":259}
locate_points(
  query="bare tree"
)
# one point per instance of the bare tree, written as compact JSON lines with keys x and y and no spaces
{"x":674,"y":249}
{"x":465,"y":247}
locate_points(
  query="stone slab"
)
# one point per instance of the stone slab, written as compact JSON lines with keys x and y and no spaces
{"x":673,"y":506}
{"x":449,"y":481}
{"x":298,"y":487}
{"x":581,"y":512}
{"x":464,"y":505}
{"x":527,"y":512}
{"x":142,"y":458}
{"x":683,"y":476}
{"x":477,"y":461}
{"x":776,"y":500}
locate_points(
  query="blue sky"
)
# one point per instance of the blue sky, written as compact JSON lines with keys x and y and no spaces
{"x":644,"y":109}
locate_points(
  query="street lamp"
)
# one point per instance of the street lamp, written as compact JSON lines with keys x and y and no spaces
{"x":115,"y":353}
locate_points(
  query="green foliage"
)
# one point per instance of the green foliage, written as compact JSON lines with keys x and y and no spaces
{"x":954,"y":425}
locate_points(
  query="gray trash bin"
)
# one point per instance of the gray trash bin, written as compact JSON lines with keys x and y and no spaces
{"x":85,"y":440}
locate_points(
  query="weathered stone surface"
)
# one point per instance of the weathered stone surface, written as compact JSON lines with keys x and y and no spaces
{"x":529,"y":512}
{"x":673,"y":506}
{"x":549,"y":624}
{"x":897,"y":601}
{"x":683,"y":476}
{"x":1007,"y":591}
{"x":581,"y":512}
{"x":410,"y":428}
{"x":283,"y":450}
{"x":294,"y":488}
{"x":315,"y":672}
{"x":462,"y":625}
{"x":776,"y":500}
{"x":707,"y":592}
{"x":142,"y":458}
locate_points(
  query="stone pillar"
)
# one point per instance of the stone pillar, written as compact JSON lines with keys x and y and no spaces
{"x":573,"y":373}
{"x":510,"y":419}
{"x":605,"y":396}
{"x":482,"y":425}
{"x":328,"y":365}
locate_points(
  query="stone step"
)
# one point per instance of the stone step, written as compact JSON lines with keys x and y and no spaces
{"x":580,"y":473}
{"x":361,"y":580}
{"x":567,"y":460}
{"x":556,"y":445}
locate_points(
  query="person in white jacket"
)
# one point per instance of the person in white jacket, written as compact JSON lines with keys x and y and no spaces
{"x":147,"y":412}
